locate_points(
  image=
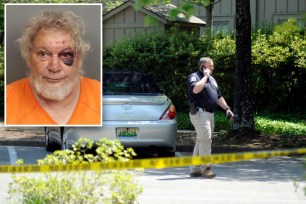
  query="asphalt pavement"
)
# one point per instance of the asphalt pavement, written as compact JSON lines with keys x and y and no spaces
{"x":276,"y":180}
{"x":273,"y":180}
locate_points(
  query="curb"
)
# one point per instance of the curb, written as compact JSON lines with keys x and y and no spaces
{"x":186,"y":143}
{"x":190,"y":135}
{"x":26,"y":143}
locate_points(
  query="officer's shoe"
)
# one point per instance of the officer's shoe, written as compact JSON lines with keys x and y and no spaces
{"x":208,"y":173}
{"x":196,"y":174}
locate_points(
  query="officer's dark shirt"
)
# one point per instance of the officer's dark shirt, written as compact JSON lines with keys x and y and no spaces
{"x":208,"y":98}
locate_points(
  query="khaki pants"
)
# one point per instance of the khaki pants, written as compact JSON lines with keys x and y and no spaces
{"x":204,"y":124}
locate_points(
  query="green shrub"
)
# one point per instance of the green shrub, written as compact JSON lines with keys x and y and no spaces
{"x":278,"y":64}
{"x":222,"y":50}
{"x":183,"y":121}
{"x":266,"y":125}
{"x":265,"y":122}
{"x":168,"y":58}
{"x":279,"y":71}
{"x":223,"y":54}
{"x":277,"y":123}
{"x":221,"y":122}
{"x":79,"y":187}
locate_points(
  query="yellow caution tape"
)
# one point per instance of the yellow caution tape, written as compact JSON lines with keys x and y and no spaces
{"x":157,"y":163}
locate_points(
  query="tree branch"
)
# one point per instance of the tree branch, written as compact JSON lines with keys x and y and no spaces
{"x":196,"y":2}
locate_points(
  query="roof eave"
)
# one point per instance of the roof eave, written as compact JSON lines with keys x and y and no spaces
{"x":160,"y":18}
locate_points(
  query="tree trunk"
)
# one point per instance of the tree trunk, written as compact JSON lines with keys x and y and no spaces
{"x":209,"y":16}
{"x":243,"y":103}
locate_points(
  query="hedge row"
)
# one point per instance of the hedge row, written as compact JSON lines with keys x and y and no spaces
{"x":278,"y":64}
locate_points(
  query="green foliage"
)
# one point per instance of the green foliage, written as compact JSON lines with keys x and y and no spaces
{"x":106,"y":151}
{"x":278,"y":62}
{"x":184,"y":9}
{"x":265,"y":122}
{"x":298,"y":52}
{"x":221,"y":122}
{"x":266,"y":125}
{"x":79,"y":187}
{"x":279,"y":70}
{"x":168,"y":58}
{"x":275,"y":50}
{"x":223,"y":50}
{"x":183,"y":121}
{"x":109,"y":5}
{"x":278,"y":123}
{"x":291,"y":24}
{"x":150,"y":21}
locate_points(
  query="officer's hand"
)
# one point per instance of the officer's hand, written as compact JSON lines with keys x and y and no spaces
{"x":206,"y":72}
{"x":229,"y":114}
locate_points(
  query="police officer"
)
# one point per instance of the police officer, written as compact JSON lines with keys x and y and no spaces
{"x":204,"y":97}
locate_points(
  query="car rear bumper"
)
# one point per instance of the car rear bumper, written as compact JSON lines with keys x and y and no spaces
{"x":150,"y":134}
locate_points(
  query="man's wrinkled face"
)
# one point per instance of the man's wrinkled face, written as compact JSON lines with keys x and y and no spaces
{"x":54,"y":64}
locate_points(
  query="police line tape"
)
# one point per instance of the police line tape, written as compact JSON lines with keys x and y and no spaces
{"x":157,"y":163}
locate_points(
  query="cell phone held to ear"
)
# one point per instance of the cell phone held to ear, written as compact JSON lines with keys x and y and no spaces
{"x":203,"y":68}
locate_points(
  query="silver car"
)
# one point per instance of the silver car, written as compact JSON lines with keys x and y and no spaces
{"x":135,"y":111}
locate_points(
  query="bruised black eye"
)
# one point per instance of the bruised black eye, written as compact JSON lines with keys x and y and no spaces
{"x":67,"y":57}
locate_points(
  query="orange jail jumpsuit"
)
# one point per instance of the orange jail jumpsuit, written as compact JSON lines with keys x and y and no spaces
{"x":22,"y":108}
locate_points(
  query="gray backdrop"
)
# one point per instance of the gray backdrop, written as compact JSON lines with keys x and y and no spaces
{"x":17,"y":16}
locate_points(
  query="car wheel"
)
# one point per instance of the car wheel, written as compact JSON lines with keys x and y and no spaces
{"x":50,"y":146}
{"x":63,"y":147}
{"x":166,"y":154}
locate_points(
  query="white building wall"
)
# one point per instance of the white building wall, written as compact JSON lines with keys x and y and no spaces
{"x":124,"y":24}
{"x":262,"y":11}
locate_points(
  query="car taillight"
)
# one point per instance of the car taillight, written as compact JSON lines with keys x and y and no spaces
{"x":169,"y":114}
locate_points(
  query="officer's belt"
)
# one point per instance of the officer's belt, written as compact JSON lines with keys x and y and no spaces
{"x":203,"y":109}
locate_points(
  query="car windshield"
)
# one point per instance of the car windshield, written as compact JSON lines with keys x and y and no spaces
{"x":128,"y":83}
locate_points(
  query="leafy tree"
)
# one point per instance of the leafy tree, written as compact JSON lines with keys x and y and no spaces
{"x":185,"y":8}
{"x":209,"y":6}
{"x":243,"y":103}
